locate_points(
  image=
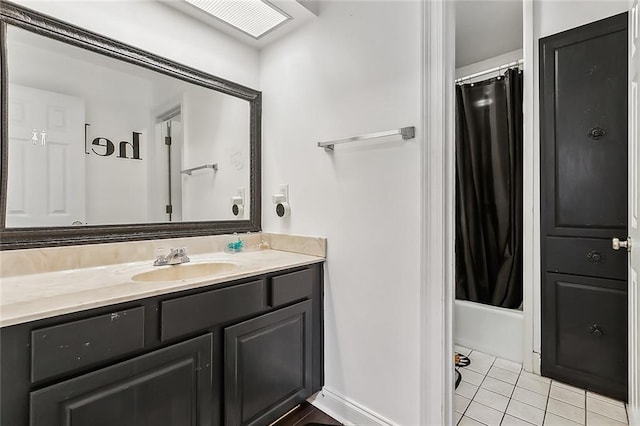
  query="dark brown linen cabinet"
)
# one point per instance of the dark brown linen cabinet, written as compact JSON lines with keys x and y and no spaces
{"x":583,"y":130}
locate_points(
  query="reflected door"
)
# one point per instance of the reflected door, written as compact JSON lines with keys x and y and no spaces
{"x":46,"y":137}
{"x":170,"y":132}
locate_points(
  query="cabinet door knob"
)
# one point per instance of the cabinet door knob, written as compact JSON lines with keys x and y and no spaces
{"x":596,"y":330}
{"x":596,"y":133}
{"x":616,"y":244}
{"x":595,"y":257}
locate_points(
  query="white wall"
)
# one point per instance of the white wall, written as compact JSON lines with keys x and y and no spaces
{"x":486,"y":28}
{"x":487,"y":64}
{"x":353,"y":70}
{"x":551,"y":17}
{"x":216,"y":127}
{"x":157,"y":28}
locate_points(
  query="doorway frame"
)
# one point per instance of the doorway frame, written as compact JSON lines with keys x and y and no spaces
{"x":438,"y":189}
{"x":437,"y":245}
{"x":531,"y":274}
{"x":437,"y":198}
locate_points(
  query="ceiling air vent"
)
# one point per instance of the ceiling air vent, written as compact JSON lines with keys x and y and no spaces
{"x":253,"y":17}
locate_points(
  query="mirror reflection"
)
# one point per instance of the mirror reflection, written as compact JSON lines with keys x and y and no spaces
{"x":97,"y":141}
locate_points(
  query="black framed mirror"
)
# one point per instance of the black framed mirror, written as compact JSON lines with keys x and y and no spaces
{"x":126,"y":146}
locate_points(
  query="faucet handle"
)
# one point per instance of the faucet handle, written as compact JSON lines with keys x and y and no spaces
{"x":182,"y":253}
{"x":162,"y":252}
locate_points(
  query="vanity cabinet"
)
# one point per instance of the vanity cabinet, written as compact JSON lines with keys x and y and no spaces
{"x":237,"y":353}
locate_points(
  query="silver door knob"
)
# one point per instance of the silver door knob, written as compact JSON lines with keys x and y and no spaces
{"x":616,"y":244}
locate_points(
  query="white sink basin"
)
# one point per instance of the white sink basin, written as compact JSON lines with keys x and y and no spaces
{"x":184,"y":271}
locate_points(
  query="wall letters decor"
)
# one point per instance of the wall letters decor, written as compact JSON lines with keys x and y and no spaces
{"x":108,"y":148}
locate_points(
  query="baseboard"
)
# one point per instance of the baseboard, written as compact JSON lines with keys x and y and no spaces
{"x":634,"y":417}
{"x":536,"y":363}
{"x":345,"y":410}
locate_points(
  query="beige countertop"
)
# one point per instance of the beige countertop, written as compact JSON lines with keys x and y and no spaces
{"x":31,"y":297}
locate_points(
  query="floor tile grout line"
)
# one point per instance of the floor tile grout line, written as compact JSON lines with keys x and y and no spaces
{"x":546,"y":405}
{"x":607,"y":402}
{"x":564,"y":416}
{"x":510,"y":396}
{"x":477,"y":390}
{"x":480,"y":387}
{"x":586,"y":410}
{"x":522,"y":402}
{"x":626,"y":411}
{"x":474,"y":395}
{"x":547,"y":396}
{"x":569,"y":403}
{"x":504,"y":413}
{"x":564,"y":386}
{"x":495,"y":378}
{"x":503,"y":369}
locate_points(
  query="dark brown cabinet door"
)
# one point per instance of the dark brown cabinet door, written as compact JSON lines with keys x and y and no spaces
{"x":268,"y":365}
{"x":167,"y":387}
{"x":591,"y":329}
{"x":583,"y":110}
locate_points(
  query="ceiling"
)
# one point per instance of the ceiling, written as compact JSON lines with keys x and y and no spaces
{"x":301,"y":11}
{"x":487,"y":28}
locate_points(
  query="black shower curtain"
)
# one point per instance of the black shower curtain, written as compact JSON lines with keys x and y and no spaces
{"x":489,"y":191}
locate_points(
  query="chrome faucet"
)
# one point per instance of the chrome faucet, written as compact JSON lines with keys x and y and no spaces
{"x":174,"y":257}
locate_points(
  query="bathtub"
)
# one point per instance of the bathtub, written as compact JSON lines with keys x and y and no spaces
{"x":489,"y":329}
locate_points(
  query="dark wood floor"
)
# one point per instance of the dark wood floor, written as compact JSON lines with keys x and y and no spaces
{"x":307,"y":414}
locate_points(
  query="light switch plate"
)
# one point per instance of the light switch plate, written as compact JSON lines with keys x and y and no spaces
{"x":284,"y":190}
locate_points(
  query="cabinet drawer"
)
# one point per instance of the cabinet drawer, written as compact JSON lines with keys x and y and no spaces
{"x":291,"y":287}
{"x":586,"y":256}
{"x":189,"y":314}
{"x":73,"y":345}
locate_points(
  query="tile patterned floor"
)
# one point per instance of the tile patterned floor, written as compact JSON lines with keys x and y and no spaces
{"x":497,"y":392}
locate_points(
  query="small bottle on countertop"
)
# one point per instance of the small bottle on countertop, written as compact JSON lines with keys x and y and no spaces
{"x":235,"y":245}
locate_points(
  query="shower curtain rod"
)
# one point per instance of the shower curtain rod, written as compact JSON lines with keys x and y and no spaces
{"x":489,"y":71}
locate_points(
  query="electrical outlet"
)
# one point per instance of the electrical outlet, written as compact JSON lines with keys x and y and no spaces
{"x":281,"y":201}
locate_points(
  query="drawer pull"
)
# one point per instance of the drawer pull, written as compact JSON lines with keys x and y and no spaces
{"x":596,"y":133}
{"x":596,"y":330}
{"x":595,"y":257}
